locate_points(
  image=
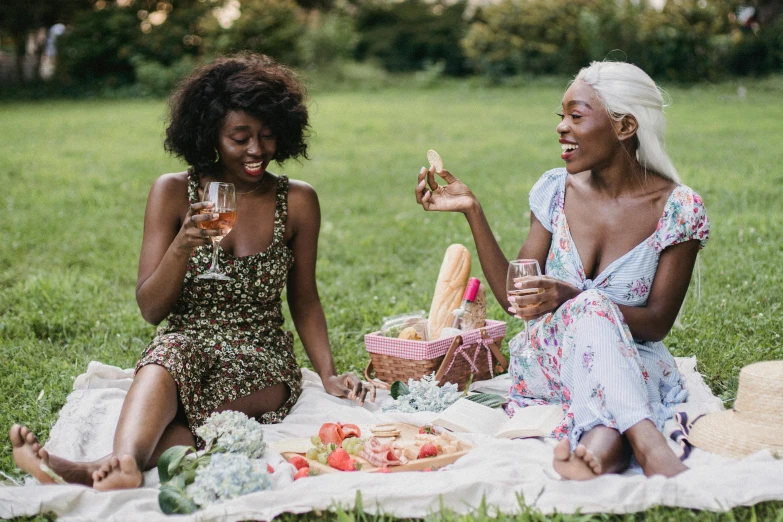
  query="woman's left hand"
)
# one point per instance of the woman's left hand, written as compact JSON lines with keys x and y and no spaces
{"x":351,"y":386}
{"x":552,"y":293}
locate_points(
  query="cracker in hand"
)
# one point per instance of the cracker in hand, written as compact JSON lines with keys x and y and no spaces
{"x":435,"y":161}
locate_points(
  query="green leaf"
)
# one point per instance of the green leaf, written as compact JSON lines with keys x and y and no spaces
{"x":189,"y":475}
{"x":492,"y":400}
{"x":173,"y":500}
{"x":398,"y":389}
{"x":177,"y":482}
{"x":170,"y":460}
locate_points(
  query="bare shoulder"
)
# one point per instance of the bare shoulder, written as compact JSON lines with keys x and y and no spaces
{"x":169,"y":196}
{"x":301,"y":196}
{"x":172,"y":183}
{"x":298,"y":188}
{"x":661,"y":188}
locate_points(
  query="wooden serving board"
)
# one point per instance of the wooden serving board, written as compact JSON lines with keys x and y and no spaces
{"x":407,"y":433}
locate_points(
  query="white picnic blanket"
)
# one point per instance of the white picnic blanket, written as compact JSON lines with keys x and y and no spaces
{"x":503,"y":473}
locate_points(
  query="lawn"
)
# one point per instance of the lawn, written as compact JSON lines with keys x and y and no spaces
{"x":74,"y":178}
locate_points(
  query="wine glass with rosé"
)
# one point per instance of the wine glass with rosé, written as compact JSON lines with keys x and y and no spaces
{"x":518,"y":270}
{"x":224,"y":199}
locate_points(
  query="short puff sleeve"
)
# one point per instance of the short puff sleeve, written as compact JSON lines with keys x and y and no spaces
{"x":546,"y":196}
{"x":683,"y":219}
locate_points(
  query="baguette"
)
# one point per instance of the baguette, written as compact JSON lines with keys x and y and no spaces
{"x":452,"y":280}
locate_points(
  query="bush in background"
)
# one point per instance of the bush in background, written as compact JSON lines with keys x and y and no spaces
{"x":688,"y":41}
{"x":412,"y":34}
{"x":514,"y":37}
{"x":143,"y":47}
{"x":329,"y":39}
{"x":270,"y":27}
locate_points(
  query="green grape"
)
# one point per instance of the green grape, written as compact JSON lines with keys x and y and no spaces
{"x":322,"y":458}
{"x":312,"y":453}
{"x":316,"y":440}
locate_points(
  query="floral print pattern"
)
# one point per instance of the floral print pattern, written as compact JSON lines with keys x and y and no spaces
{"x":224,"y":340}
{"x":585,"y":357}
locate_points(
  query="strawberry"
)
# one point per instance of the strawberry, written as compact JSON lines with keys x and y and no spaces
{"x":301,"y":473}
{"x":340,"y":459}
{"x":428,"y":429}
{"x":299,"y":462}
{"x":269,"y":468}
{"x":428,"y":450}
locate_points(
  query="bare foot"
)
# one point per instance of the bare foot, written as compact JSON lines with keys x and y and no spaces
{"x":581,"y":464}
{"x":652,"y":452}
{"x":117,"y":473}
{"x":28,"y":453}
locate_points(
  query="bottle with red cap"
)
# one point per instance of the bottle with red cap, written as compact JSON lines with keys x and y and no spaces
{"x":468,"y":298}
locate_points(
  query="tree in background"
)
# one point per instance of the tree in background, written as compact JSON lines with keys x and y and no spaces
{"x":266,"y":26}
{"x":411,"y":34}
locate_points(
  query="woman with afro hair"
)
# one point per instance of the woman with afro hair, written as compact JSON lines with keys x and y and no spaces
{"x":222,"y":346}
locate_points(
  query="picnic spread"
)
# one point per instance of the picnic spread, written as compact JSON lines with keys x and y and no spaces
{"x":500,"y":472}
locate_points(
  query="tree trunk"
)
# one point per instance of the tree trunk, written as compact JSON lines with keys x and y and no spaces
{"x":21,"y":49}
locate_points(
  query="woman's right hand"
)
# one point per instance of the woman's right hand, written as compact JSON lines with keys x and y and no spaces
{"x":455,"y":196}
{"x":190,"y":235}
{"x":551,"y":294}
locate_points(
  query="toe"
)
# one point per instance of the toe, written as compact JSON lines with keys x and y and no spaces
{"x":580,"y":451}
{"x":15,"y":435}
{"x":562,"y":450}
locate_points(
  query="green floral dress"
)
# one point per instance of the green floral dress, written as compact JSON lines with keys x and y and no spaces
{"x":224,"y":340}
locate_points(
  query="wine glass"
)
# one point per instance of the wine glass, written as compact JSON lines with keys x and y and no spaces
{"x":519,"y":269}
{"x":223,"y":197}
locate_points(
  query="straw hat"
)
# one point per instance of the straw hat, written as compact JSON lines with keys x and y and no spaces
{"x":755,"y":422}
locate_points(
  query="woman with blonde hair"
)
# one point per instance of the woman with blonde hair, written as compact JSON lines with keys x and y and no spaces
{"x":618,"y":236}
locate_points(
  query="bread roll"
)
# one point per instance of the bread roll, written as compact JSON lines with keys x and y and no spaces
{"x":452,"y":280}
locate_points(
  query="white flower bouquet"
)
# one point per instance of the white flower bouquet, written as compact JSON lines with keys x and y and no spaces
{"x":421,"y":395}
{"x":229,"y":466}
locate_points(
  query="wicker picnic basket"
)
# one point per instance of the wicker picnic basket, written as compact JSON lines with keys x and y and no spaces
{"x":473,"y":355}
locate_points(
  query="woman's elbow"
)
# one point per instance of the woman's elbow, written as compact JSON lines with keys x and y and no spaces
{"x":654,"y":333}
{"x":151,"y":316}
{"x":148,"y":312}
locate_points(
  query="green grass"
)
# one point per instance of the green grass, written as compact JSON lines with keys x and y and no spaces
{"x":74,"y":178}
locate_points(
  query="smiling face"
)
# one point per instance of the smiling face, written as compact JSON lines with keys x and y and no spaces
{"x":246,"y":147}
{"x":588,"y":135}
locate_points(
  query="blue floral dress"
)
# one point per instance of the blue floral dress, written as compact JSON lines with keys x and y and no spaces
{"x":583,"y":355}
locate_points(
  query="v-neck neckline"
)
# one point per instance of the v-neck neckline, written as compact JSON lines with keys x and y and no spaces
{"x":277,"y":232}
{"x":575,"y":250}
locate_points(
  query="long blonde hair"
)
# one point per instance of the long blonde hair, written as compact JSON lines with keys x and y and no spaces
{"x":625,"y":89}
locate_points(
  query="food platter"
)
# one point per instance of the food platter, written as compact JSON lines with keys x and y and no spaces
{"x":409,"y":437}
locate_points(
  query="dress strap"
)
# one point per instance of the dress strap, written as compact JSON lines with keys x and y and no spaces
{"x":281,"y":208}
{"x":192,"y":186}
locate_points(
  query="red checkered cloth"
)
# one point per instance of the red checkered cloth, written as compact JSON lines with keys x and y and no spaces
{"x":422,"y":350}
